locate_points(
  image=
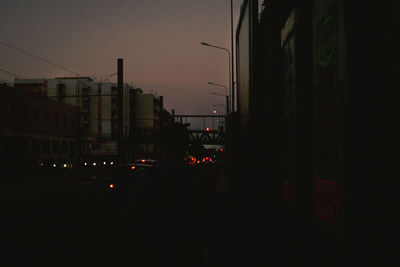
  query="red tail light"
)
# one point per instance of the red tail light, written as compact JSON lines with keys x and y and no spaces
{"x":111,"y":186}
{"x":133,"y":167}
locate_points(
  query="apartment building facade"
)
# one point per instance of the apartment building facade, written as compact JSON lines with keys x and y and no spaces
{"x":97,"y":104}
{"x":35,"y":127}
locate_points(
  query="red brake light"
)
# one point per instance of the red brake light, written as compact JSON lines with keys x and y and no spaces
{"x":143,"y":160}
{"x":111,"y":186}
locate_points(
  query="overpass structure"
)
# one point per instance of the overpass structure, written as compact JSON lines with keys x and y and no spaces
{"x":212,"y":133}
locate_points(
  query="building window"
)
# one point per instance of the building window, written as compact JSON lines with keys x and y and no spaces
{"x":85,"y":104}
{"x":46,"y":119}
{"x":25,"y":113}
{"x":46,"y":146}
{"x":65,"y":122}
{"x":55,"y":146}
{"x":35,"y":147}
{"x":72,"y":123}
{"x":72,"y":148}
{"x":85,"y":121}
{"x":64,"y":147}
{"x":56,"y":121}
{"x":12,"y":115}
{"x":37,"y":118}
{"x":61,"y":91}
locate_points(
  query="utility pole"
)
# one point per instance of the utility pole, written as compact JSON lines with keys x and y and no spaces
{"x":232,"y":93}
{"x":161,"y":130}
{"x":120,"y":108}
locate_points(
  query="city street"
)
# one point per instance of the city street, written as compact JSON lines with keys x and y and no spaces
{"x":239,"y":133}
{"x":86,"y":225}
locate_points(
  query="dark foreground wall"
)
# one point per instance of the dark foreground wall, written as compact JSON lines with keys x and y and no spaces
{"x":324,"y":128}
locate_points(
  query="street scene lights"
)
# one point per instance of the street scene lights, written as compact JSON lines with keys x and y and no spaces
{"x":229,"y":64}
{"x":215,"y":107}
{"x":227,"y":101}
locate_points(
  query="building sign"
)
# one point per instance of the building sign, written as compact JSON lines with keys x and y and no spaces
{"x":326,"y":40}
{"x":329,"y":98}
{"x":327,"y":201}
{"x":329,"y":108}
{"x":104,"y":148}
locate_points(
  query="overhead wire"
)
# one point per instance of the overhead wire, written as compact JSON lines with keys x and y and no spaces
{"x":38,"y":57}
{"x":11,"y":73}
{"x":5,"y":81}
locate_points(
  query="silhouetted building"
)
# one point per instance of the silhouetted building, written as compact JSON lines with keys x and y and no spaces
{"x":148,"y":120}
{"x":35,"y":127}
{"x":98,"y":108}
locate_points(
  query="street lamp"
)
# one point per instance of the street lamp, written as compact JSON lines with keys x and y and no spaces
{"x":233,"y":64}
{"x":226,"y":94}
{"x":227,"y":101}
{"x":229,"y":63}
{"x":217,"y":106}
{"x":220,"y":85}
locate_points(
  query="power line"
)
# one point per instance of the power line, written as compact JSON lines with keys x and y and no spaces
{"x":5,"y":81}
{"x":11,"y":73}
{"x":39,"y":58}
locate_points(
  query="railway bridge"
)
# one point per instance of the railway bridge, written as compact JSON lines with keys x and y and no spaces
{"x":212,"y":132}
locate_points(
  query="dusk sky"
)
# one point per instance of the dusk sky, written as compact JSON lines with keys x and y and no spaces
{"x":159,"y":41}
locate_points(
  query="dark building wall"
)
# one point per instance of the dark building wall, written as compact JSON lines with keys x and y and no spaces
{"x":333,"y":161}
{"x":24,"y":112}
{"x":34,"y":127}
{"x":174,"y":141}
{"x":372,"y":139}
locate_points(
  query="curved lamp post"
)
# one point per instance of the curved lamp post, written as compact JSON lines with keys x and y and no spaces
{"x":226,"y":95}
{"x":229,"y":63}
{"x":227,"y":100}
